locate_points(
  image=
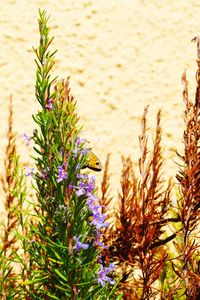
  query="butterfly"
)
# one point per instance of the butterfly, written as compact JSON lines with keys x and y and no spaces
{"x":93,"y":162}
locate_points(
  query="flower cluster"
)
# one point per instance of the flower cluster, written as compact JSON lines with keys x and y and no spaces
{"x":85,"y":187}
{"x":103,"y":274}
{"x":78,"y":146}
{"x":98,"y":217}
{"x":27,"y":138}
{"x":79,"y":245}
{"x":45,"y":173}
{"x":49,"y":104}
{"x":29,"y":171}
{"x":62,"y":174}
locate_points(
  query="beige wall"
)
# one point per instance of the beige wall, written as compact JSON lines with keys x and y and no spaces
{"x":121,"y":55}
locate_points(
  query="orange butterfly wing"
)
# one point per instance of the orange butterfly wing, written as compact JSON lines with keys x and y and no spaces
{"x":93,"y":162}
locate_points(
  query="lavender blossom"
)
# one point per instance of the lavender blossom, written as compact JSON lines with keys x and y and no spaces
{"x":61,"y":152}
{"x":84,"y":151}
{"x":27,"y":138}
{"x":91,"y":185}
{"x":77,"y":144}
{"x":49,"y":104}
{"x":86,"y":185}
{"x":98,"y":220}
{"x":79,"y":141}
{"x":102,"y":276}
{"x":44,"y":174}
{"x":98,"y":242}
{"x":29,"y":171}
{"x":62,"y":174}
{"x":80,"y":176}
{"x":79,"y":245}
{"x":91,"y":201}
{"x":98,"y":217}
{"x":80,"y":192}
{"x":80,"y":189}
{"x":78,"y":167}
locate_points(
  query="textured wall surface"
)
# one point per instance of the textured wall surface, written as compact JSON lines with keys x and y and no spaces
{"x":120,"y":54}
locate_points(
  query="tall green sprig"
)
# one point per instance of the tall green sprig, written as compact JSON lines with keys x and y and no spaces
{"x":66,"y":228}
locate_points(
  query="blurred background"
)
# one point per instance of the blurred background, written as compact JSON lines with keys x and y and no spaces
{"x":121,"y":55}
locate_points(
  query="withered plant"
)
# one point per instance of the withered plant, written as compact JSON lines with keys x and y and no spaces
{"x":8,"y":185}
{"x":14,"y":191}
{"x":136,"y":240}
{"x":8,"y":241}
{"x":187,"y":245}
{"x":106,"y":198}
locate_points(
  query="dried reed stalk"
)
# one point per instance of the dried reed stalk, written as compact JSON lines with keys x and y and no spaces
{"x":135,"y":240}
{"x":9,"y":240}
{"x":189,"y":204}
{"x":8,"y":184}
{"x":106,"y":199}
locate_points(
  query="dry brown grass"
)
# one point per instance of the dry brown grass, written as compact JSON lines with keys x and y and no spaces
{"x":135,"y":239}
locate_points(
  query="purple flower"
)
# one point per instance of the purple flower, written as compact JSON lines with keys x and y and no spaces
{"x":91,"y":185}
{"x":29,"y":171}
{"x":85,"y":185}
{"x":79,"y":245}
{"x":77,"y":144}
{"x":98,"y":242}
{"x":81,"y":176}
{"x":27,"y":138}
{"x":70,"y":186}
{"x":102,"y":276}
{"x":77,"y":167}
{"x":98,"y":217}
{"x":62,"y":174}
{"x":80,"y":192}
{"x":84,"y":151}
{"x":79,"y":141}
{"x":49,"y":104}
{"x":44,"y":174}
{"x":91,"y":201}
{"x":98,"y":220}
{"x":95,"y":209}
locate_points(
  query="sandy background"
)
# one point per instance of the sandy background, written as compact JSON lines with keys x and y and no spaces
{"x":120,"y":54}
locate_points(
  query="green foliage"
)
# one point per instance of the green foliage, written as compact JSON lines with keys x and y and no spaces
{"x":63,"y":250}
{"x":53,"y":246}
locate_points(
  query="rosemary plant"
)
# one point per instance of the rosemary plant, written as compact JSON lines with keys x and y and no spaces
{"x":65,"y":249}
